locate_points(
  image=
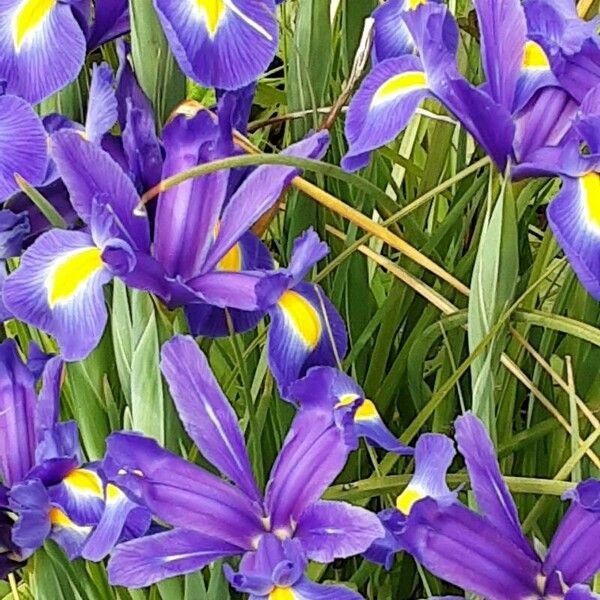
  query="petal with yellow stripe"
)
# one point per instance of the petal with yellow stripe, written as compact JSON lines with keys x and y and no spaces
{"x":383,"y":106}
{"x":58,"y":288}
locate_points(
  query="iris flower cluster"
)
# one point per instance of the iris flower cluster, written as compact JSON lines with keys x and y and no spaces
{"x":155,"y":513}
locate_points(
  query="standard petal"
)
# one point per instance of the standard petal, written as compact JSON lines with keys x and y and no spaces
{"x":48,"y":406}
{"x":111,"y":19}
{"x":206,"y":414}
{"x":89,"y":172}
{"x":23,"y":146}
{"x":463,"y":548}
{"x":490,"y":490}
{"x":503,"y":28}
{"x":575,"y":221}
{"x":140,"y":563}
{"x":58,"y":288}
{"x":259,"y":192}
{"x":574,"y":550}
{"x":102,"y":103}
{"x":383,"y":106}
{"x":305,"y":331}
{"x":17,"y":415}
{"x":225,"y":44}
{"x":330,"y":530}
{"x":313,"y":454}
{"x":188,"y":215}
{"x":42,"y":47}
{"x":181,"y":493}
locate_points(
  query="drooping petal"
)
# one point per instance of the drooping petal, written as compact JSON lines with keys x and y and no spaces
{"x":433,"y":456}
{"x":188,"y":214}
{"x":90,"y":173}
{"x":206,"y":414}
{"x":575,"y":221}
{"x":181,"y":493}
{"x":58,"y":288}
{"x":80,"y":495}
{"x":574,"y":549}
{"x":490,"y":490}
{"x":259,"y":192}
{"x":462,"y":547}
{"x":42,"y":47}
{"x":330,"y":530}
{"x":142,"y":562}
{"x":249,"y":254}
{"x":313,"y":454}
{"x":17,"y":415}
{"x":503,"y":28}
{"x":370,"y":425}
{"x":29,"y":501}
{"x":383,"y":106}
{"x":309,"y":590}
{"x":23,"y":147}
{"x":383,"y":550}
{"x":102,"y":104}
{"x":225,"y":44}
{"x":305,"y":331}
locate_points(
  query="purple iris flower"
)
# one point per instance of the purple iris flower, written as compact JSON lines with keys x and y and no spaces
{"x":212,"y":517}
{"x":43,"y":44}
{"x":521,"y":107}
{"x":330,"y":389}
{"x":46,"y":486}
{"x":487,"y":553}
{"x":225,"y":44}
{"x":202,"y":251}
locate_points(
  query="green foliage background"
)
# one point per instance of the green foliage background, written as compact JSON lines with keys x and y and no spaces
{"x":526,"y":338}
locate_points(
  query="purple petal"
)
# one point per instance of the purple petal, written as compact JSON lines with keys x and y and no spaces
{"x":575,"y":222}
{"x":463,"y":548}
{"x":383,"y":106}
{"x":17,"y":415}
{"x":48,"y":406}
{"x":258,"y":193}
{"x":313,"y":454}
{"x":302,"y":335}
{"x":102,"y":103}
{"x":39,"y":56}
{"x":188,"y":214}
{"x":111,"y":20}
{"x":588,"y":120}
{"x":89,"y":172}
{"x":70,"y":308}
{"x":330,"y":530}
{"x":145,"y":561}
{"x":29,"y":501}
{"x":490,"y":490}
{"x":181,"y":493}
{"x":581,"y":592}
{"x":307,"y":251}
{"x":23,"y":146}
{"x":309,"y":590}
{"x":222,"y":45}
{"x":575,"y":548}
{"x":205,"y":412}
{"x":503,"y":29}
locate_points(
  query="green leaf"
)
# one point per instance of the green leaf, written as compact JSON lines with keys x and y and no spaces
{"x":492,"y":288}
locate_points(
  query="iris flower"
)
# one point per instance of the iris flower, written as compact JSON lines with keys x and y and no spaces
{"x":521,"y":108}
{"x":212,"y":517}
{"x":46,"y":486}
{"x":487,"y":553}
{"x":220,"y":43}
{"x":199,"y":250}
{"x":330,"y":389}
{"x":43,"y":42}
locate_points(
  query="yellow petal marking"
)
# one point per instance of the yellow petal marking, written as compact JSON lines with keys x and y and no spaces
{"x":591,"y":194}
{"x":303,"y":317}
{"x":212,"y":12}
{"x":366,"y":411}
{"x":407,"y":499}
{"x":232,"y":261}
{"x":535,"y":57}
{"x":412,"y":4}
{"x":29,"y":16}
{"x":280,"y":593}
{"x":58,"y":517}
{"x":399,"y":85}
{"x":71,"y":272}
{"x":84,"y":481}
